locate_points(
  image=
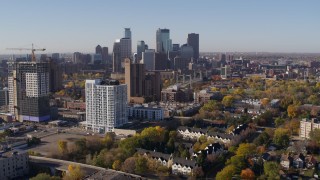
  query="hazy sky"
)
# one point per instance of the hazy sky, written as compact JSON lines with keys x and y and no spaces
{"x":233,"y":25}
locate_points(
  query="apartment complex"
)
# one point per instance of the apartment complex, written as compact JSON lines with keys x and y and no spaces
{"x":106,"y":105}
{"x":14,"y":164}
{"x":146,"y":113}
{"x":308,"y":125}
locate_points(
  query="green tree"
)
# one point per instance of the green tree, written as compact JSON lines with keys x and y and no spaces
{"x":129,"y":145}
{"x":227,"y":100}
{"x":211,"y":105}
{"x":62,"y":146}
{"x":246,"y":149}
{"x":81,"y":146}
{"x":226,"y":173}
{"x":74,"y":173}
{"x":293,"y":111}
{"x":281,"y":137}
{"x":313,"y":99}
{"x":116,"y":165}
{"x":315,"y":136}
{"x":239,"y":162}
{"x":271,"y":169}
{"x":129,"y":165}
{"x":262,"y":139}
{"x":279,"y":121}
{"x":141,"y":165}
{"x":109,"y":139}
{"x":44,"y":176}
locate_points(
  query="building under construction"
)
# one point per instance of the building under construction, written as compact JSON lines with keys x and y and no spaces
{"x":28,"y":84}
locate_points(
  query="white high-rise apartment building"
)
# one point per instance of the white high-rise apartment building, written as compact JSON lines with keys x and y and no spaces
{"x":106,"y":105}
{"x":307,"y":125}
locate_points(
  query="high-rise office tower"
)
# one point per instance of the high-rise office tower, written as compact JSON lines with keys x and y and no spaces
{"x":187,"y":52}
{"x":134,"y":78}
{"x":4,"y":97}
{"x":106,"y":105}
{"x":105,"y":55}
{"x":175,"y":47}
{"x":127,"y":33}
{"x":148,"y":59}
{"x":77,"y":57}
{"x":153,"y":86}
{"x":125,"y":49}
{"x":116,"y":57}
{"x":55,"y":72}
{"x":140,"y":49}
{"x":180,"y":63}
{"x":28,"y":84}
{"x":163,"y":41}
{"x":160,"y":61}
{"x":193,"y":40}
{"x":96,"y":58}
{"x":55,"y":56}
{"x":99,"y":50}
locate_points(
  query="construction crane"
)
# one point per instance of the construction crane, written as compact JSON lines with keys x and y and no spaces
{"x":32,"y":51}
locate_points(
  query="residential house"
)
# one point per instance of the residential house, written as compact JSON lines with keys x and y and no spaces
{"x":183,"y":166}
{"x":191,"y":133}
{"x":162,"y":158}
{"x":214,"y":148}
{"x":221,"y":137}
{"x":298,"y":161}
{"x":310,"y":161}
{"x":284,"y":161}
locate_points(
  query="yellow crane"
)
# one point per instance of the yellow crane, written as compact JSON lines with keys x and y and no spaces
{"x":32,"y":51}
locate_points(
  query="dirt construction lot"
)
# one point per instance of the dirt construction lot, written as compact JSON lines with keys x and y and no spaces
{"x":49,"y":144}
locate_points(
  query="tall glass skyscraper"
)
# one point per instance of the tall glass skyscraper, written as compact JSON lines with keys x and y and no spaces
{"x":193,"y":40}
{"x":127,"y":33}
{"x":164,"y":43}
{"x":140,"y":49}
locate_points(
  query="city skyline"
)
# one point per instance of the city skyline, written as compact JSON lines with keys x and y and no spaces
{"x":246,"y":26}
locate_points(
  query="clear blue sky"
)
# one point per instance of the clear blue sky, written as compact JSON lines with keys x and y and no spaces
{"x":233,"y":25}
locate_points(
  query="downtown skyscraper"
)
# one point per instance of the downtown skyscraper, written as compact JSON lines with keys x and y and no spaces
{"x":163,"y":41}
{"x":193,"y":41}
{"x":122,"y":49}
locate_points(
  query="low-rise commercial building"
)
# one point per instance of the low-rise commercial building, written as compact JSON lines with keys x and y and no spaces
{"x":145,"y":113}
{"x":14,"y":164}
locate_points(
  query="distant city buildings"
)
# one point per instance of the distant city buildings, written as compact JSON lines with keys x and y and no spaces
{"x":193,"y":41}
{"x":28,"y":85}
{"x":127,"y":33}
{"x":55,"y":74}
{"x":148,"y":58}
{"x":4,"y":99}
{"x":116,"y":57}
{"x":141,"y":47}
{"x":106,"y":105}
